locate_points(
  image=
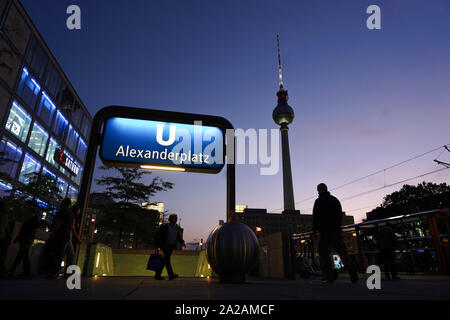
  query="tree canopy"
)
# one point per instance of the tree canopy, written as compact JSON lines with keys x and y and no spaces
{"x":37,"y":188}
{"x":128,"y":187}
{"x":410,"y":199}
{"x":4,"y":161}
{"x":120,"y":212}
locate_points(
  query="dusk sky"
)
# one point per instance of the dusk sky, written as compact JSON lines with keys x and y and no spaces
{"x":363,"y":99}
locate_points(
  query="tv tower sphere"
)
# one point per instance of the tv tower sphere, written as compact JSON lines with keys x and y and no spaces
{"x":283,"y":113}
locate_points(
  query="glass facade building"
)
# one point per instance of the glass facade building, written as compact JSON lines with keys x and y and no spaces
{"x":40,"y":111}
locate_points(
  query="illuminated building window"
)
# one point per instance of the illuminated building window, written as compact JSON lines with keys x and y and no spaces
{"x":44,"y":205}
{"x":47,"y":172}
{"x":46,"y":213}
{"x":77,"y":178}
{"x":18,"y":122}
{"x":38,"y":139}
{"x":72,"y":138}
{"x":11,"y":155}
{"x":60,"y":125}
{"x":29,"y":165}
{"x":241,"y":208}
{"x":62,"y":186}
{"x":53,"y":145}
{"x":46,"y":109}
{"x":72,"y":193}
{"x":5,"y":188}
{"x":64,"y":171}
{"x":81,"y":149}
{"x":28,"y":88}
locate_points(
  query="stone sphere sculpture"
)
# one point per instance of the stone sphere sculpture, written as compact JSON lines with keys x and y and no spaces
{"x":232,"y":251}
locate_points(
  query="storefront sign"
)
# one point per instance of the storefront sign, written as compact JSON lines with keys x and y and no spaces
{"x":62,"y":159}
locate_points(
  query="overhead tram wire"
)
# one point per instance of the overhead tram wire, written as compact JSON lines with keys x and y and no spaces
{"x":387,"y":186}
{"x":375,"y":173}
{"x":351,"y":210}
{"x":445,"y":164}
{"x":393,"y":184}
{"x":388,"y":168}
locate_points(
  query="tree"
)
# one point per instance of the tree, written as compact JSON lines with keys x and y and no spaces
{"x":410,"y":199}
{"x":4,"y":160}
{"x":145,"y":223}
{"x":37,"y":188}
{"x":128,"y":193}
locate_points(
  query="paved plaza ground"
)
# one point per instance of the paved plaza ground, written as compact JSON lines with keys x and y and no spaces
{"x":146,"y":288}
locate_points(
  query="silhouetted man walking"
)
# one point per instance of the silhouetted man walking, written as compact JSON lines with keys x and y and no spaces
{"x":387,"y":242}
{"x":327,"y":220}
{"x":4,"y":236}
{"x":59,"y":236}
{"x":168,"y":236}
{"x":69,"y":251}
{"x":25,"y":239}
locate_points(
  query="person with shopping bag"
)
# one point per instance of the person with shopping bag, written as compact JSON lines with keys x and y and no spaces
{"x":167,"y":238}
{"x":327,"y":222}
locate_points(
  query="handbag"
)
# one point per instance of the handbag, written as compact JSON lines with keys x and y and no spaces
{"x":155,"y":262}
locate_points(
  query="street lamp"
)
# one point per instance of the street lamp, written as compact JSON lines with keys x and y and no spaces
{"x":92,"y":228}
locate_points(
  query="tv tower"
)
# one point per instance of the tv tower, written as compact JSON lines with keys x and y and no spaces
{"x":283,"y":115}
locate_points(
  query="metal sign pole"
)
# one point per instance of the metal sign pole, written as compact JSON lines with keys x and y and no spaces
{"x":83,"y":196}
{"x":231,"y":182}
{"x":145,"y":114}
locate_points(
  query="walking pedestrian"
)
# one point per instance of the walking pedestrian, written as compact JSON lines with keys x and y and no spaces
{"x":327,"y":221}
{"x":167,"y":238}
{"x":387,"y":242}
{"x":69,"y":249}
{"x":59,"y":236}
{"x":25,"y":239}
{"x":5,"y":236}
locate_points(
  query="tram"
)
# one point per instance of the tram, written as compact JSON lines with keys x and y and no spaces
{"x":423,"y":243}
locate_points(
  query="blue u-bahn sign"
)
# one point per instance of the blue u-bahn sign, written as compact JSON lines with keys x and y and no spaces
{"x":174,"y":146}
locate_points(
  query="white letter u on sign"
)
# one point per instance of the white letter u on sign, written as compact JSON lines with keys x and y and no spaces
{"x":159,"y":135}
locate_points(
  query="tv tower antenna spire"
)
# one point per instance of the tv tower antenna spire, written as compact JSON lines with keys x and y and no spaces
{"x":280,"y":72}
